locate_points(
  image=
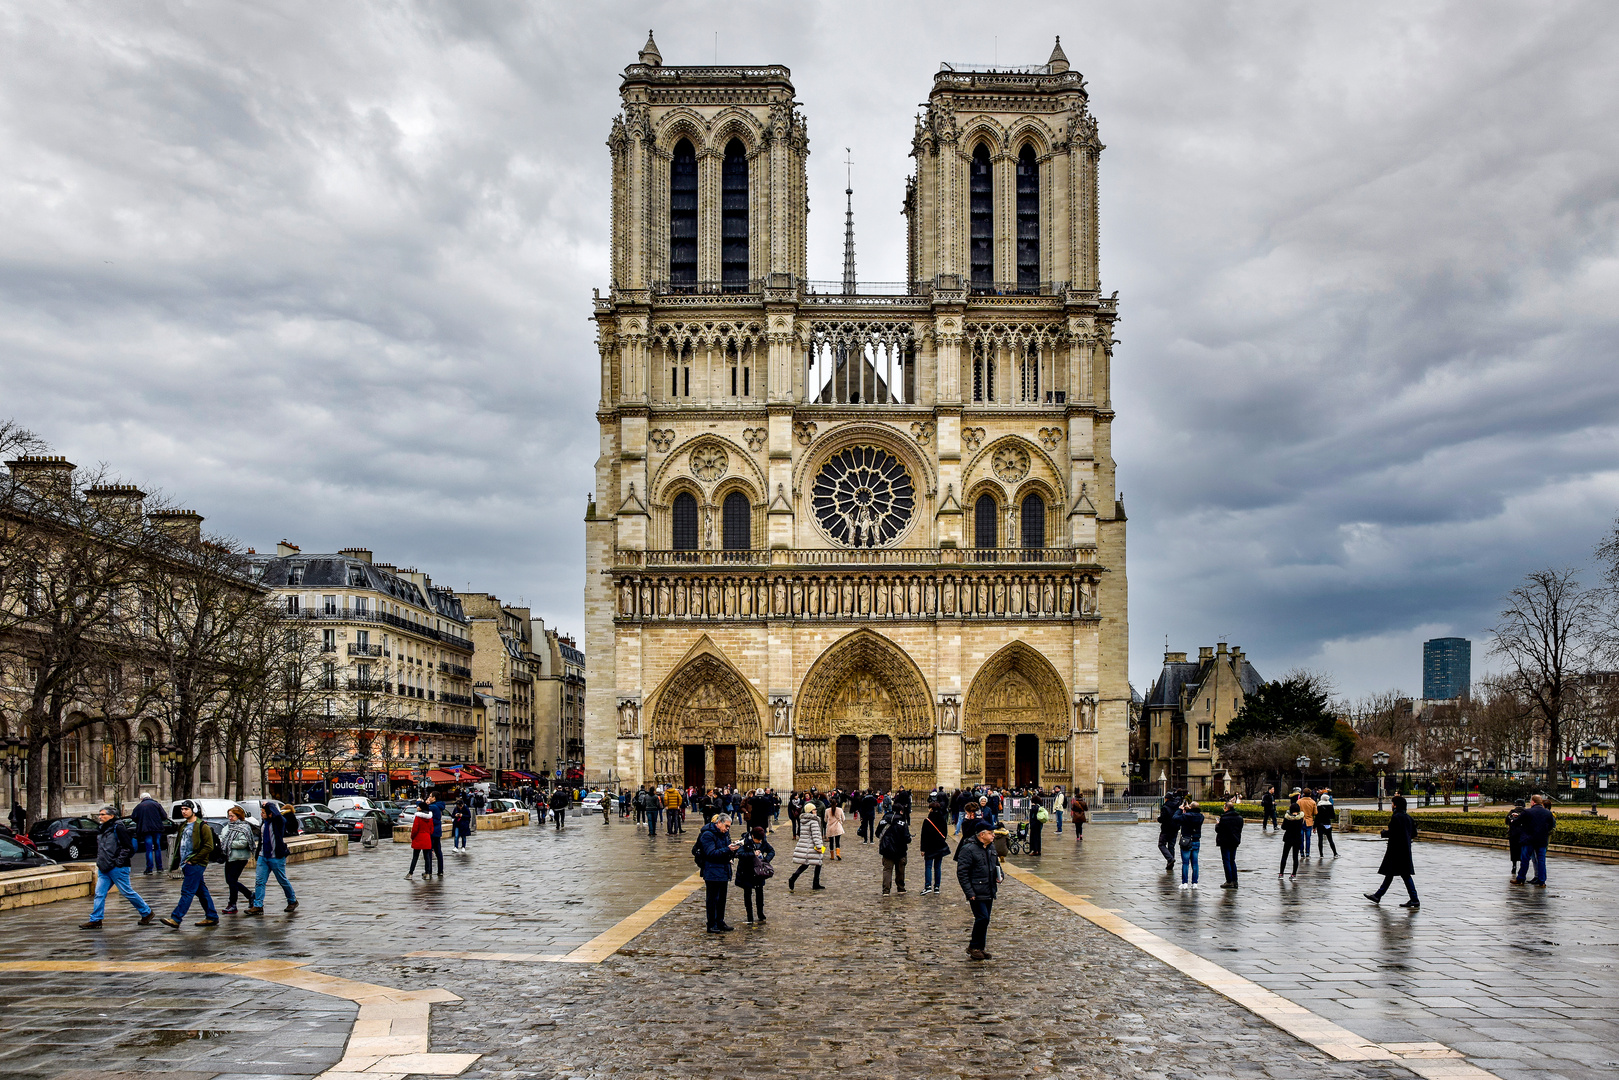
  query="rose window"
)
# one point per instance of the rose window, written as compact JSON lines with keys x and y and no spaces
{"x":863,"y":497}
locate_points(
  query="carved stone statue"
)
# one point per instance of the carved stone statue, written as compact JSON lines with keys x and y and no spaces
{"x":629,"y":718}
{"x":781,"y":714}
{"x":950,"y":713}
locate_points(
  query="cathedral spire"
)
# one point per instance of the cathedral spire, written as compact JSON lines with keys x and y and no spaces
{"x":1059,"y":59}
{"x":650,"y":56}
{"x":848,"y":228}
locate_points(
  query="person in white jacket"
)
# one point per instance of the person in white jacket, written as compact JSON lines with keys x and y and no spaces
{"x":809,"y":851}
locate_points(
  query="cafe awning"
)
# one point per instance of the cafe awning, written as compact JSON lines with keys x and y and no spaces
{"x":305,"y":776}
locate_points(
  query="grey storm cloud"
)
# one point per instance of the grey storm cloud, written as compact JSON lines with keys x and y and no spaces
{"x":322,"y":272}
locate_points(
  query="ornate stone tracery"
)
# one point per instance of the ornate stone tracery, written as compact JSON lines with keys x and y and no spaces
{"x":1017,"y":692}
{"x":706,"y":703}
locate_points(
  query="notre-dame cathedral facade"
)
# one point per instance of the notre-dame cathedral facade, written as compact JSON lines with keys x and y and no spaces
{"x":854,"y":535}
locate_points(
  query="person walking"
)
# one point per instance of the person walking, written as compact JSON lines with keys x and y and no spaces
{"x":1292,"y":837}
{"x":716,"y":849}
{"x":196,"y":844}
{"x":753,"y":869}
{"x":149,"y":820}
{"x":1401,"y":832}
{"x":1267,"y":803}
{"x":1038,"y":816}
{"x":1515,"y":818}
{"x":460,"y":826}
{"x":935,"y":844}
{"x":651,"y":810}
{"x":1538,"y":823}
{"x":1167,"y":829}
{"x":421,"y":841}
{"x":893,"y":844}
{"x":674,"y":806}
{"x":1080,"y":811}
{"x":834,"y":831}
{"x":559,"y":806}
{"x":795,"y":807}
{"x":1189,"y":818}
{"x":868,"y":817}
{"x":1307,"y":807}
{"x":810,"y":851}
{"x":1059,"y":807}
{"x":607,"y":809}
{"x":1326,"y":816}
{"x":978,"y":872}
{"x":237,"y":840}
{"x":115,"y":845}
{"x":272,"y":856}
{"x":1228,"y":837}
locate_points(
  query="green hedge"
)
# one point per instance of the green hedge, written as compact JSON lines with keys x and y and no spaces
{"x":1580,"y":832}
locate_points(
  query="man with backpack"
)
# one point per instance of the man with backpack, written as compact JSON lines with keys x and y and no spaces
{"x":273,"y":858}
{"x":1168,"y":830}
{"x":894,"y":839}
{"x":195,"y":844}
{"x":114,"y":847}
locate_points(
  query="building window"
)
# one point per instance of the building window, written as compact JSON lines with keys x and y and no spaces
{"x":985,"y":522}
{"x":1203,"y":733}
{"x":683,"y":215}
{"x":1034,"y":522}
{"x":295,"y":576}
{"x":738,"y":521}
{"x":980,"y":187}
{"x":734,"y":218}
{"x":143,"y":760}
{"x":70,"y":761}
{"x":983,"y":372}
{"x":1155,"y":752}
{"x":685,"y":522}
{"x":292,"y":605}
{"x":1028,"y":220}
{"x":330,"y":604}
{"x":328,"y":641}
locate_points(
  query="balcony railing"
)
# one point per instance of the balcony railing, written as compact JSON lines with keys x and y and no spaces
{"x":454,"y":669}
{"x":464,"y":700}
{"x":386,"y":619}
{"x":365,"y":650}
{"x":371,"y":686}
{"x":1082,"y":555}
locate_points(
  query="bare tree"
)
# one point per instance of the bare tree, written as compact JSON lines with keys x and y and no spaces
{"x":1548,"y":635}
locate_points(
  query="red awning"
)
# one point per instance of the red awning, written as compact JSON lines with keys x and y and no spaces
{"x":305,"y":776}
{"x":405,"y":775}
{"x":439,"y":776}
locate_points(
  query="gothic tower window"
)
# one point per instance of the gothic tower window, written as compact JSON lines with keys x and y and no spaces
{"x":1028,"y":221}
{"x":683,"y":215}
{"x":685,"y":522}
{"x":980,"y":188}
{"x":734,"y":218}
{"x":984,"y":522}
{"x":738,"y":522}
{"x":1034,"y":522}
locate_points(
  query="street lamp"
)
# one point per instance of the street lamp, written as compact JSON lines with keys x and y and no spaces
{"x":1465,"y":757}
{"x":1596,"y":755}
{"x":1381,"y":760}
{"x":1330,"y":763}
{"x":1303,"y":763}
{"x":13,"y":750}
{"x":280,"y":763}
{"x":172,"y":758}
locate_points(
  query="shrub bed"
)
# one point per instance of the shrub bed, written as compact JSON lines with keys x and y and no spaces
{"x":1574,"y":831}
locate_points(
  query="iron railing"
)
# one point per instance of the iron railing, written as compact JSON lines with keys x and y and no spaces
{"x":1081,"y":555}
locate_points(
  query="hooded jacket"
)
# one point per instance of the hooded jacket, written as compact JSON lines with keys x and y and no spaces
{"x":977,"y":869}
{"x":113,"y":847}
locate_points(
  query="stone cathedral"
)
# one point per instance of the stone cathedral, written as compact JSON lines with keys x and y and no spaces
{"x":849,"y":534}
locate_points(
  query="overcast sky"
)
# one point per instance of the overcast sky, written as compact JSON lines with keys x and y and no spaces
{"x":321,"y":271}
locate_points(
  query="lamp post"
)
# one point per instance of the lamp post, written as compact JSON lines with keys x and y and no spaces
{"x":1596,"y":755}
{"x":422,"y":762}
{"x":1330,"y":763}
{"x":172,"y":758}
{"x":1303,"y":763}
{"x":1381,"y":760}
{"x":13,"y":761}
{"x":281,"y":764}
{"x":1465,"y":757}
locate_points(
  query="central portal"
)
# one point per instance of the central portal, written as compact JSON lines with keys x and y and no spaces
{"x":696,"y":770}
{"x":848,"y":766}
{"x":880,"y":763}
{"x":865,"y":719}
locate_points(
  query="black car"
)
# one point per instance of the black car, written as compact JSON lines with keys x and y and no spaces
{"x":15,"y":856}
{"x":309,"y":824}
{"x":353,"y":823}
{"x":69,"y":839}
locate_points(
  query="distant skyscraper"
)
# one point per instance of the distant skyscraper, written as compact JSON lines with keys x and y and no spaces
{"x":1447,"y":668}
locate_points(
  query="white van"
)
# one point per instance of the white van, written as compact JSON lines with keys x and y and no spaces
{"x":339,"y":803}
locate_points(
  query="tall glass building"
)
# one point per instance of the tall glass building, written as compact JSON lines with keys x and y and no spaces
{"x":1447,"y":668}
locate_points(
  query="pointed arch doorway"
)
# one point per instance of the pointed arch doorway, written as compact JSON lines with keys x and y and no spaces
{"x":707,"y":729}
{"x":865,"y":719}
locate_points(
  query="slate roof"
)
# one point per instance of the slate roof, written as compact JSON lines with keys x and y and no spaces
{"x":345,"y":572}
{"x":1188,"y":675}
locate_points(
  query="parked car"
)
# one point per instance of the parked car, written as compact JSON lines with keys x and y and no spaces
{"x":69,"y":839}
{"x":317,"y":809}
{"x":501,"y":806}
{"x":17,"y":856}
{"x":353,"y":822}
{"x":591,"y":802}
{"x":6,"y":833}
{"x":347,"y":802}
{"x":315,"y":823}
{"x":396,"y":809}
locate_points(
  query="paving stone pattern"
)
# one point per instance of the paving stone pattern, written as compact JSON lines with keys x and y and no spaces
{"x":164,"y":1026}
{"x":1523,"y":981}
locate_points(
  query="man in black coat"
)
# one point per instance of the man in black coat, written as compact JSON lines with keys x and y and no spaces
{"x":1515,"y":835}
{"x":1168,"y":829}
{"x":1401,"y":832}
{"x":1228,"y":837}
{"x":1537,"y":825}
{"x":1268,"y":804}
{"x":149,"y":818}
{"x":559,"y":805}
{"x":979,"y":871}
{"x":895,"y":842}
{"x":114,"y":846}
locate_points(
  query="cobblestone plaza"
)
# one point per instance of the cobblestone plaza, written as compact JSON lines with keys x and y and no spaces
{"x":1484,"y":979}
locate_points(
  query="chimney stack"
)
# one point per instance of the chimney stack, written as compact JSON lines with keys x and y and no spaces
{"x":121,"y":502}
{"x":43,"y":474}
{"x":182,"y":526}
{"x":362,"y":554}
{"x":285,"y":548}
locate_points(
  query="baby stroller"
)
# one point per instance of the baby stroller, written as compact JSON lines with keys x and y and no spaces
{"x":1018,"y":840}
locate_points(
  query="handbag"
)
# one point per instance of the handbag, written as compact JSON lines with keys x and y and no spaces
{"x":761,"y":867}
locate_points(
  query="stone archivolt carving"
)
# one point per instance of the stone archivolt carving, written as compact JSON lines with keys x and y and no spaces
{"x":706,"y":702}
{"x":864,"y":686}
{"x":972,"y":437}
{"x":662,"y":439}
{"x":1017,"y":692}
{"x":755,"y":438}
{"x":709,"y":462}
{"x":1011,"y":463}
{"x":839,"y":594}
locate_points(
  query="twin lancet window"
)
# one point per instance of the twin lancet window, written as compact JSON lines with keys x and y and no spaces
{"x":736,"y":522}
{"x":683,"y":218}
{"x":981,"y":221}
{"x":986,"y":522}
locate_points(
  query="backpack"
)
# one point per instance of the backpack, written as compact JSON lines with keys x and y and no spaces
{"x":218,"y":854}
{"x":697,"y":851}
{"x":1042,"y":815}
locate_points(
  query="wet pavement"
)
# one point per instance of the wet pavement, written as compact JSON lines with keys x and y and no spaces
{"x":1520,"y":980}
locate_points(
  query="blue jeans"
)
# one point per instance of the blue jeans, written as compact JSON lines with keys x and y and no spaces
{"x":932,"y":870}
{"x":958,"y":822}
{"x":193,"y":885}
{"x":153,"y":846}
{"x":1057,"y":814}
{"x":1228,"y":859}
{"x":261,"y":877}
{"x":1308,"y":830}
{"x":119,"y":876}
{"x":460,"y":839}
{"x":1189,"y":860}
{"x":1530,"y":851}
{"x":653,"y":816}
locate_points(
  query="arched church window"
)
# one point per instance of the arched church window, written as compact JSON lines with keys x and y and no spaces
{"x":734,"y":218}
{"x":1028,"y":221}
{"x":684,"y":519}
{"x":738,"y":521}
{"x":1034,"y":522}
{"x":863,"y":497}
{"x":985,"y":522}
{"x":683,"y":215}
{"x":980,"y":189}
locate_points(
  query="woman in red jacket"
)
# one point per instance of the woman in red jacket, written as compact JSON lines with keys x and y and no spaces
{"x":421,"y":839}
